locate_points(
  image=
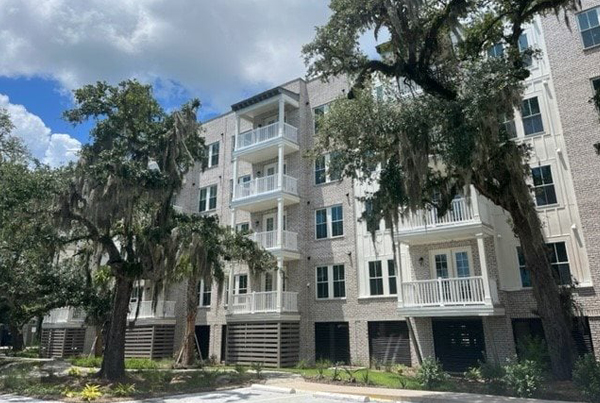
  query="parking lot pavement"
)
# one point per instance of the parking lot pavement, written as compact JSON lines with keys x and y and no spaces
{"x":246,"y":395}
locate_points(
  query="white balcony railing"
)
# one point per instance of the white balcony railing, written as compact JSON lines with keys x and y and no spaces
{"x":64,"y":315}
{"x":264,"y":185}
{"x":268,"y":240}
{"x":263,"y":134}
{"x":264,"y":302}
{"x":462,"y":211}
{"x":445,"y":292}
{"x":164,"y":309}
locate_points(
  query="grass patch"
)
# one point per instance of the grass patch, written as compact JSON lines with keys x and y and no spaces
{"x":29,"y":352}
{"x":374,"y":378}
{"x":130,"y":363}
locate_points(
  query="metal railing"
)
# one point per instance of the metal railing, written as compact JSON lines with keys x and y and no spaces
{"x":263,"y":134}
{"x":164,"y":309}
{"x":266,"y":184}
{"x":64,"y":315}
{"x":268,"y":240}
{"x":444,"y":292}
{"x":264,"y":302}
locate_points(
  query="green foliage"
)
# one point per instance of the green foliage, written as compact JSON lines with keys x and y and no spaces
{"x":303,"y":364}
{"x":586,"y":376}
{"x":473,"y":374}
{"x":366,"y":377}
{"x":523,"y":378}
{"x":74,"y":372}
{"x":336,"y":374}
{"x":351,"y":374}
{"x":321,"y":365}
{"x":399,"y":369}
{"x":140,"y":363}
{"x":257,"y":367}
{"x":534,"y":349}
{"x":491,"y":371}
{"x":89,"y":362}
{"x":123,"y":389}
{"x":240,"y":369}
{"x":90,"y":392}
{"x":430,"y":374}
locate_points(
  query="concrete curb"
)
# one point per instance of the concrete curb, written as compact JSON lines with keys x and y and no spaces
{"x":342,"y":397}
{"x":274,"y":389}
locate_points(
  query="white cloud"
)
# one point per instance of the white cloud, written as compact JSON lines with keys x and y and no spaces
{"x":51,"y":148}
{"x":214,"y":48}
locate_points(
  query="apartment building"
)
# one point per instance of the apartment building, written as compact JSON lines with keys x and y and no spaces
{"x":336,"y":294}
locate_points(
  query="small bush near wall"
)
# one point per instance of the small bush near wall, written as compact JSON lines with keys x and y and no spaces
{"x":586,"y":376}
{"x":523,"y":378}
{"x":430,"y":374}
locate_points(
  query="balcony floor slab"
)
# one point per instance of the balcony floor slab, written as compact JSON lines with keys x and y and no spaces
{"x":454,"y":232}
{"x":263,"y":317}
{"x":265,"y":150}
{"x":451,"y":311}
{"x":265,"y":201}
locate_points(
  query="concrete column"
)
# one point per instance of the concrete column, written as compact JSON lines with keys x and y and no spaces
{"x":233,"y":218}
{"x":399,"y":277}
{"x":280,"y":163}
{"x":474,"y":202}
{"x":281,"y":115}
{"x":235,"y":177}
{"x":279,"y":283}
{"x":484,"y":268}
{"x":280,"y":208}
{"x":230,"y":286}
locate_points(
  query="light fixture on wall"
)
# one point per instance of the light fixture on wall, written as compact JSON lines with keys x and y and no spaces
{"x":421,"y":261}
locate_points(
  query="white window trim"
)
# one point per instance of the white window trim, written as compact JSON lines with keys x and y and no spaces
{"x":210,"y":151}
{"x":579,"y":27}
{"x":208,"y":197}
{"x":329,"y":222}
{"x":238,"y":226}
{"x":542,"y":105}
{"x":327,"y":171}
{"x":553,"y":172}
{"x":385,"y":276}
{"x":330,"y":283}
{"x":201,"y":294}
{"x":452,"y":271}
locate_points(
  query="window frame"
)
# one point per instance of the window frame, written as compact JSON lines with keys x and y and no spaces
{"x":203,"y":292}
{"x":325,"y":109}
{"x":211,"y":155}
{"x":581,"y":31}
{"x":451,"y":262}
{"x":531,"y":116}
{"x":595,"y":81}
{"x":524,"y":274}
{"x":330,"y":281}
{"x":378,"y":279}
{"x":544,"y":186}
{"x":209,"y":196}
{"x":329,"y":222}
{"x":326,"y":171}
{"x":238,"y":227}
{"x":555,"y":264}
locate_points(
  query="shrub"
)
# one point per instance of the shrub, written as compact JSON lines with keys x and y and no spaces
{"x":376,"y":364}
{"x":351,"y":374}
{"x":336,"y":372}
{"x":366,"y":377}
{"x":533,"y":348}
{"x":473,"y":374}
{"x":123,"y":389}
{"x":524,"y":378}
{"x":88,"y":362}
{"x":430,"y":373}
{"x":321,"y":366}
{"x":491,"y":371}
{"x":140,"y":363}
{"x":240,"y":369}
{"x":303,"y":364}
{"x":74,"y":371}
{"x":399,"y":369}
{"x":258,"y":368}
{"x":90,"y":392}
{"x":213,"y":360}
{"x":586,"y":376}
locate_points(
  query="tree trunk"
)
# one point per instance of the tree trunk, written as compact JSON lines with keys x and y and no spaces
{"x":515,"y":197}
{"x":99,"y":346}
{"x":113,"y":364}
{"x":16,"y":337}
{"x":187,"y":352}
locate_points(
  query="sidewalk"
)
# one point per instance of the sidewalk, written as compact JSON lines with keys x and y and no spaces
{"x":401,"y":395}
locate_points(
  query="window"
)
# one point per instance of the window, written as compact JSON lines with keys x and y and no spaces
{"x":325,"y":169}
{"x":204,"y":293}
{"x":508,"y":126}
{"x":268,"y":282}
{"x":496,"y":51}
{"x":559,"y":261}
{"x":208,"y":198}
{"x":372,"y":225}
{"x":331,"y":281}
{"x":240,"y":284}
{"x":319,"y":112}
{"x":393,"y":286}
{"x":532,"y":116}
{"x":525,"y":274}
{"x":329,"y":221}
{"x":596,"y":85}
{"x":589,"y":26}
{"x":211,"y":159}
{"x":451,"y":263}
{"x":137,"y":293}
{"x":243,"y":227}
{"x":375,"y":278}
{"x":524,"y":46}
{"x":543,"y":186}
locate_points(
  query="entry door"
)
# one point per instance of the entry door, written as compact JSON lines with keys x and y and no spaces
{"x":267,"y":281}
{"x":270,"y":222}
{"x":273,"y":169}
{"x":240,"y":284}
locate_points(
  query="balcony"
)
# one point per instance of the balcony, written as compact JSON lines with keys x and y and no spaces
{"x":260,"y":303}
{"x":467,"y":216}
{"x":164,"y":310}
{"x":269,"y":241}
{"x":65,"y":315}
{"x":262,"y":193}
{"x":262,"y":143}
{"x":449,"y":297}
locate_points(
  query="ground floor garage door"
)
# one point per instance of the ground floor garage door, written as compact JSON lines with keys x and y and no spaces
{"x":389,"y":342}
{"x":203,"y":336}
{"x":332,"y":342}
{"x":459,"y":343}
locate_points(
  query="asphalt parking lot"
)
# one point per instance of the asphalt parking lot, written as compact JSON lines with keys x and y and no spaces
{"x":246,"y":395}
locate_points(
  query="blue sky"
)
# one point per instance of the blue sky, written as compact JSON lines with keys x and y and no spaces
{"x":218,"y":51}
